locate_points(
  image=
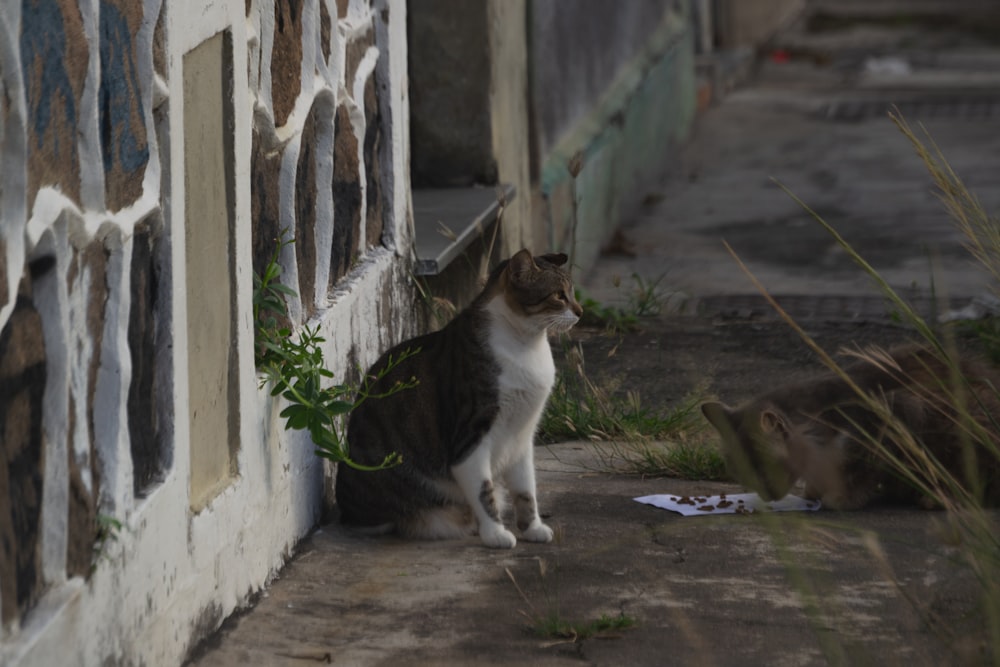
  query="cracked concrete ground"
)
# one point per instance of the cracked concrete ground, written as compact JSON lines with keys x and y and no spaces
{"x":802,"y":589}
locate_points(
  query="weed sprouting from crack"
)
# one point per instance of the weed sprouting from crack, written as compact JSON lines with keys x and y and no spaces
{"x":551,"y":624}
{"x":293,"y":365}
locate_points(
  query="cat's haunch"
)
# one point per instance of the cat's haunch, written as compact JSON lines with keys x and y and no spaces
{"x":468,"y":425}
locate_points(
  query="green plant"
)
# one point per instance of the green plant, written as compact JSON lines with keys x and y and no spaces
{"x":695,"y":459}
{"x":645,"y":299}
{"x":579,"y":408}
{"x":108,"y":528}
{"x":295,"y":368}
{"x":551,"y":624}
{"x":630,"y":437}
{"x":613,"y":319}
{"x":440,"y":310}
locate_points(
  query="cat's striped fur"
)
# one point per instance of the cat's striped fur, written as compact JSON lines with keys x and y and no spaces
{"x":468,"y":426}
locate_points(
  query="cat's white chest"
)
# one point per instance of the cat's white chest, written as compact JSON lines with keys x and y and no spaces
{"x":528,"y":370}
{"x":525,"y":380}
{"x":526,"y":375}
{"x":525,"y":361}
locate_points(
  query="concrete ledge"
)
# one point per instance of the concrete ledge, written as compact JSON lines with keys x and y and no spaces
{"x":447,"y":220}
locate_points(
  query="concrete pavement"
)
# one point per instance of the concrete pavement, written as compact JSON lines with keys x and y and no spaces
{"x":730,"y":590}
{"x":820,"y":130}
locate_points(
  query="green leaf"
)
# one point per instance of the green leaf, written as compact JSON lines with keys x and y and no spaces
{"x":293,"y":362}
{"x":339,"y":407}
{"x":331,"y":456}
{"x":274,"y":303}
{"x":299,"y":421}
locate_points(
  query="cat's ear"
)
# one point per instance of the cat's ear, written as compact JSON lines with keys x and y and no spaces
{"x":772,"y":422}
{"x":555,"y":259}
{"x":521,"y":266}
{"x":719,"y":416}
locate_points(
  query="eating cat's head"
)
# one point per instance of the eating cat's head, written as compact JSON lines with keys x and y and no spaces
{"x":540,"y":291}
{"x":755,"y":447}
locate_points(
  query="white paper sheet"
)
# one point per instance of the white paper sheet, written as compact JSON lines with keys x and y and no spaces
{"x":732,"y":503}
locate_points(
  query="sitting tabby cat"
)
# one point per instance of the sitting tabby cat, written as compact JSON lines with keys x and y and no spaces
{"x":821,"y":433}
{"x":470,"y":422}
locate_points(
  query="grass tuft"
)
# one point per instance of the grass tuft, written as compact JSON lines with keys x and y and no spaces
{"x":553,"y":626}
{"x":630,"y":437}
{"x":644,"y":299}
{"x":698,"y":460}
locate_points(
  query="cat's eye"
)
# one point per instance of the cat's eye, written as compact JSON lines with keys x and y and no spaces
{"x":561,"y":295}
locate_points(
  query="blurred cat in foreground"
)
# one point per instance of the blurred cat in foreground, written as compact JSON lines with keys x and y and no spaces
{"x":919,"y":418}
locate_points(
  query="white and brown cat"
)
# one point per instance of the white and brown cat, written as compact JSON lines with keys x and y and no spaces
{"x":469,"y":424}
{"x":822,"y":433}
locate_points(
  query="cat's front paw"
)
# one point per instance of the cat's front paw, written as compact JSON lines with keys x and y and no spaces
{"x":497,"y":537}
{"x":537,"y":532}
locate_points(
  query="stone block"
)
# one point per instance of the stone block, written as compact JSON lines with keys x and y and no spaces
{"x":265,"y":169}
{"x":374,"y":223}
{"x":160,"y":65}
{"x":286,"y":59}
{"x":54,"y":57}
{"x":22,"y":389}
{"x":305,"y":215}
{"x":143,"y":393}
{"x":355,"y":52}
{"x":346,"y":195}
{"x":4,"y":297}
{"x":124,"y":143}
{"x":325,"y":31}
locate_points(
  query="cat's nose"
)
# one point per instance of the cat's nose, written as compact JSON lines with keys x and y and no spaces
{"x":576,"y":308}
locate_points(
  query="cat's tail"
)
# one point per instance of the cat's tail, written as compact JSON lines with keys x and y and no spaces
{"x":439,"y":523}
{"x":372,"y":531}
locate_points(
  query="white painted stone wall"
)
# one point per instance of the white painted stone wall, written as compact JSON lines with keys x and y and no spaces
{"x":172,"y":576}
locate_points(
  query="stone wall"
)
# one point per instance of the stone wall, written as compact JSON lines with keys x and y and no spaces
{"x":103,"y":298}
{"x":79,"y":186}
{"x":613,"y":83}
